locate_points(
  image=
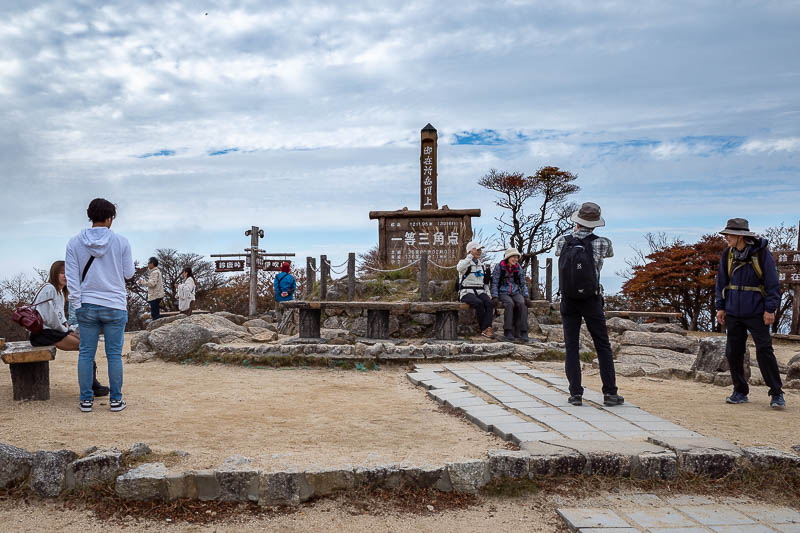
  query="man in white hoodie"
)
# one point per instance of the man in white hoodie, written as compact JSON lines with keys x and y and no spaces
{"x":98,"y":261}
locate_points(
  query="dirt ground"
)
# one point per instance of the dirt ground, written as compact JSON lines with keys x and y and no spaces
{"x":278,"y":417}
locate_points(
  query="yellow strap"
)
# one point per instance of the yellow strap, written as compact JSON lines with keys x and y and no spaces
{"x":760,"y":289}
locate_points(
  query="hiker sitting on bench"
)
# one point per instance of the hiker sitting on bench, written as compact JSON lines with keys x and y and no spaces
{"x":509,"y":286}
{"x":49,"y":302}
{"x":474,"y":287}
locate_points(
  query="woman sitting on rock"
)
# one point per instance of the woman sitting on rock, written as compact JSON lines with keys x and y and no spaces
{"x":57,"y":331}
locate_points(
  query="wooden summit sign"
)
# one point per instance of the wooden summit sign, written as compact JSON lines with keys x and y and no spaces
{"x":404,"y":235}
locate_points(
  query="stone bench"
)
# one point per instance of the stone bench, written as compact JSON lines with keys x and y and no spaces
{"x":658,"y":316}
{"x":445,"y":326}
{"x":30,"y":369}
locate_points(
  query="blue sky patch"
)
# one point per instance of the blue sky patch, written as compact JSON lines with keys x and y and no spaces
{"x":160,"y":153}
{"x":223,"y":152}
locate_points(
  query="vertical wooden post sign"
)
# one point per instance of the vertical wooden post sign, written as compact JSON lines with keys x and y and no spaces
{"x":427,"y":168}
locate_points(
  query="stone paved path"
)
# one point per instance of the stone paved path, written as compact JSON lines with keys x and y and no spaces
{"x":682,"y":514}
{"x":522,"y":404}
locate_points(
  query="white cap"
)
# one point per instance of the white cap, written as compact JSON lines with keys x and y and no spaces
{"x":473,"y":244}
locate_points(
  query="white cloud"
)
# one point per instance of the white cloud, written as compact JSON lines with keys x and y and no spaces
{"x":787,"y":144}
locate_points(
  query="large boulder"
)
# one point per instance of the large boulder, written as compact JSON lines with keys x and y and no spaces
{"x":668,"y":341}
{"x":155,"y":324}
{"x":793,"y":372}
{"x":15,"y":465}
{"x":795,"y":359}
{"x":663,"y":328}
{"x":556,"y":334}
{"x":656,"y":360}
{"x":236,"y":319}
{"x":711,"y":356}
{"x":621,"y":325}
{"x":94,"y":469}
{"x":179,"y":340}
{"x":49,"y":471}
{"x":140,"y":342}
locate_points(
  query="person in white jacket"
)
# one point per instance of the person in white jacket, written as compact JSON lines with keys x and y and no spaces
{"x":98,"y":263}
{"x":186,"y":290}
{"x":57,"y":330}
{"x":475,"y":287}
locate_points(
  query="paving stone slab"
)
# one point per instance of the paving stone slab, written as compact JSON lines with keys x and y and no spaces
{"x":485,"y":422}
{"x":766,"y":457}
{"x":689,"y":499}
{"x":587,"y":435}
{"x":608,"y":530}
{"x":787,"y":528}
{"x":769,"y":513}
{"x":580,"y":518}
{"x":488,"y":409}
{"x":506,"y":431}
{"x":441,"y":397}
{"x":519,"y":438}
{"x":697,"y":529}
{"x":471,"y":401}
{"x":659,"y":517}
{"x":536,"y":412}
{"x":529,"y":403}
{"x":715,"y":515}
{"x":550,"y":459}
{"x":748,"y":528}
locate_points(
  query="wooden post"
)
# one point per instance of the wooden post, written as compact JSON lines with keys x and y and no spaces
{"x":445,"y":328}
{"x":535,"y":277}
{"x":351,"y":277}
{"x":253,"y":269}
{"x":323,"y":278}
{"x":377,"y":323}
{"x":423,"y":277}
{"x":548,"y":282}
{"x":309,"y":323}
{"x":795,"y":328}
{"x":311,"y":276}
{"x":31,"y":381}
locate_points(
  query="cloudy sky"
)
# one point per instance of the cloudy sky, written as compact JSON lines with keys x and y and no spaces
{"x":202,"y":119}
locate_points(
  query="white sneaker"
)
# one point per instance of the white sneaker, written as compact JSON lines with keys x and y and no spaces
{"x":117,"y":405}
{"x":86,"y":406}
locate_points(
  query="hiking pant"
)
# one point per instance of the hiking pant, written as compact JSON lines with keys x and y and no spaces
{"x":155,"y":308}
{"x":736,"y":346}
{"x":514,"y":305}
{"x":484,"y":308}
{"x":591,"y":310}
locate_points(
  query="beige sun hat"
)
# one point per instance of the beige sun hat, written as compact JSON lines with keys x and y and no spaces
{"x":474,"y":244}
{"x":588,"y":216}
{"x":510,"y":252}
{"x":738,"y":226}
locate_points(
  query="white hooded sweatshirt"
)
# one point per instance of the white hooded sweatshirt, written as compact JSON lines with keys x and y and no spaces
{"x":105,"y":281}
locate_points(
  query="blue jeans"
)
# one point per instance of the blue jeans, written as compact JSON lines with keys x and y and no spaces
{"x":91,"y":319}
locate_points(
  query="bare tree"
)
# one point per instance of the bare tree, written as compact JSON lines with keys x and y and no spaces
{"x":536,"y":207}
{"x":782,"y":237}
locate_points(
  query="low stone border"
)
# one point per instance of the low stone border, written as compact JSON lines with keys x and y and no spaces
{"x":52,"y":473}
{"x":316,"y":354}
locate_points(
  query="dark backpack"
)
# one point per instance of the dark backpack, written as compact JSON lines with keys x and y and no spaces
{"x":577,"y":277}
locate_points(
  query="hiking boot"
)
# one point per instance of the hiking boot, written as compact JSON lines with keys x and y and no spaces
{"x":488,"y":332}
{"x":99,"y":390}
{"x":86,"y":406}
{"x":611,"y":400}
{"x":737,"y":397}
{"x":576,"y":399}
{"x":507,"y":335}
{"x":778,"y":402}
{"x":117,"y":405}
{"x":524,"y":338}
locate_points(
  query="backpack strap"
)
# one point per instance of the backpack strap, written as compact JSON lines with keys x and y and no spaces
{"x":733,"y":266}
{"x":86,"y":268}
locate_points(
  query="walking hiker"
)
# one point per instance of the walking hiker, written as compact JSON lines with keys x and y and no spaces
{"x":284,"y":284}
{"x":747,"y":296}
{"x":155,"y":288}
{"x":509,"y":286}
{"x":186,"y":290}
{"x":474,"y":287}
{"x":98,"y":261}
{"x":57,"y":330}
{"x":580,"y":259}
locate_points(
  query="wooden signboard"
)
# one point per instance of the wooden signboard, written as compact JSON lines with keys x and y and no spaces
{"x":404,"y":235}
{"x":788,"y":263}
{"x":268,"y":265}
{"x":230,"y":265}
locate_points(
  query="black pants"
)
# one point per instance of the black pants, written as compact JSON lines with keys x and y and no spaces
{"x":737,"y":344}
{"x":591,"y":310}
{"x":514,"y":305}
{"x":155,"y":308}
{"x":484,"y":308}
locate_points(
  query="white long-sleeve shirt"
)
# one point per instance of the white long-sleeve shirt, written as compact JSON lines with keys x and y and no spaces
{"x":186,"y":294}
{"x":53,"y":311}
{"x":105,"y":282}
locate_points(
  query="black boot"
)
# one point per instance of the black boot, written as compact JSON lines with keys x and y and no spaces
{"x":97,"y":388}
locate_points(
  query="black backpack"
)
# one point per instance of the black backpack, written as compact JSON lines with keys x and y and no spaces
{"x":577,"y":277}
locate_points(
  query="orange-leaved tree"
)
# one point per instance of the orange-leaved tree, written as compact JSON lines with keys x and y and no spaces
{"x":678,"y":277}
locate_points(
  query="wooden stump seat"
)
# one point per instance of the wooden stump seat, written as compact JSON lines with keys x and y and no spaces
{"x":30,"y":369}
